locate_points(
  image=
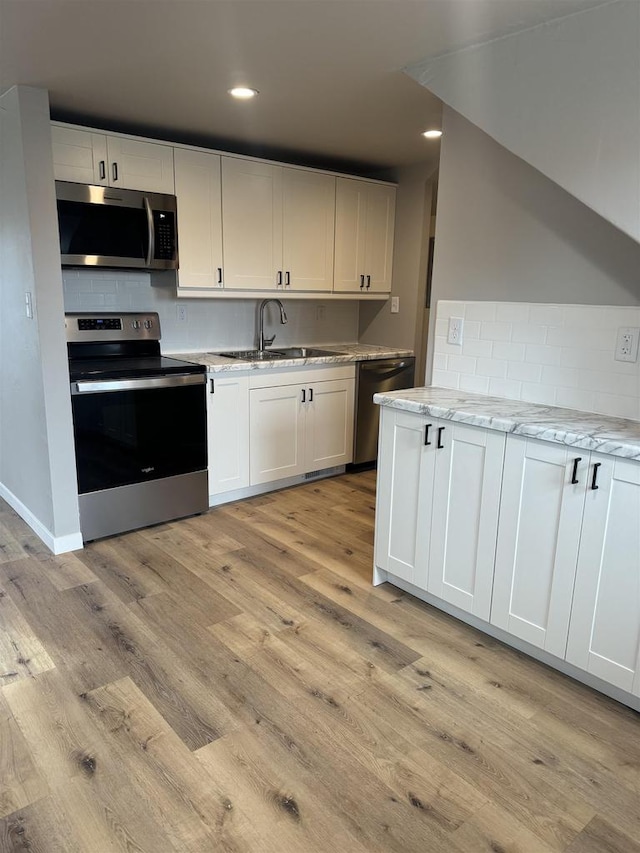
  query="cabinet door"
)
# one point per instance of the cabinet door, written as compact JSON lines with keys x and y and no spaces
{"x":404,"y":495}
{"x":228,"y":432}
{"x":137,"y":165}
{"x":351,"y":207}
{"x":539,"y":533}
{"x":329,"y":424}
{"x":464,"y":525}
{"x":198,"y":191}
{"x":252,"y":223}
{"x":378,"y":253}
{"x":309,"y":205}
{"x":604,"y":635}
{"x":79,"y":156}
{"x":277,"y":434}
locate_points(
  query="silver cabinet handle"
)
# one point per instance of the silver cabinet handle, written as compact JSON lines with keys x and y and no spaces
{"x":111,"y":385}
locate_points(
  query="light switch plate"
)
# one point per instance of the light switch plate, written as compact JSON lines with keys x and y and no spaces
{"x":395,"y":304}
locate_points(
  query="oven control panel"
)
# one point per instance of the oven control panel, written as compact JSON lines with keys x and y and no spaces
{"x":126,"y":326}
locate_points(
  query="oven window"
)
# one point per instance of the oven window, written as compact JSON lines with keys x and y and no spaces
{"x":127,"y":437}
{"x":102,"y":229}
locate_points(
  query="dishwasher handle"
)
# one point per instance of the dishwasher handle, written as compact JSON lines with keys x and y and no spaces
{"x":371,"y":367}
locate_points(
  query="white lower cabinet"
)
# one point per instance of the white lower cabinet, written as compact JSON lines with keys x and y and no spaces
{"x":604,"y":635}
{"x":228,"y":432}
{"x":297,"y":427}
{"x":438,"y":499}
{"x":541,"y":541}
{"x":537,"y":553}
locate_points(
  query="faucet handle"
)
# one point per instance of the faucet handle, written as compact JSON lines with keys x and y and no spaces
{"x":269,"y":341}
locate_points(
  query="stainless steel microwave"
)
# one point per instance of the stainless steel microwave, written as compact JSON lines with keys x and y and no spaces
{"x":106,"y":227}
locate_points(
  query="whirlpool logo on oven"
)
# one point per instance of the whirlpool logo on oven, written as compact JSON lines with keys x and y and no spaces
{"x":147,"y":470}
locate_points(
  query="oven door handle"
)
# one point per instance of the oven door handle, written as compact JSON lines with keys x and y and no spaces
{"x":109,"y":385}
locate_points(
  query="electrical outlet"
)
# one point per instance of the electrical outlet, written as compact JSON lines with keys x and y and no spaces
{"x":395,"y":304}
{"x":28,"y":305}
{"x":456,"y":327}
{"x":627,"y":344}
{"x":182,"y":312}
{"x":321,"y":313}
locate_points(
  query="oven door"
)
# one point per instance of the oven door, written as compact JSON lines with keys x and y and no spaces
{"x":135,"y":430}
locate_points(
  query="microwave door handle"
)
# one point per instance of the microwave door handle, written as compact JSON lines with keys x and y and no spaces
{"x":152,"y":241}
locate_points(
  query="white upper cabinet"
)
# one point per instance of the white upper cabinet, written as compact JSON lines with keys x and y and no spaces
{"x":365,"y":216}
{"x":94,"y":158}
{"x":252,"y":215}
{"x":278,"y":227}
{"x":543,"y":497}
{"x":198,"y":191}
{"x":604,"y":635}
{"x":308,"y":209}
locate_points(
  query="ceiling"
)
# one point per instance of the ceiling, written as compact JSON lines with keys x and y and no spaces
{"x":329,"y":71}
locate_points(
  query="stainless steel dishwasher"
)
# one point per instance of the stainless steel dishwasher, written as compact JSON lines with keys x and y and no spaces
{"x":374,"y":377}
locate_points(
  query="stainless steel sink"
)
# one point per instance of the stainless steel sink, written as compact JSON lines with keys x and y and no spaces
{"x":274,"y":355}
{"x":304,"y":352}
{"x":252,"y":355}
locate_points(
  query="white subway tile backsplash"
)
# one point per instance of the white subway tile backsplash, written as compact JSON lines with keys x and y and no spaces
{"x":491,"y":367}
{"x":540,"y":354}
{"x":477,"y":348}
{"x":445,"y":378}
{"x":529,"y":334}
{"x":512,"y":312}
{"x":461,"y":364}
{"x":495,"y":331}
{"x":476,"y":384}
{"x":440,"y":361}
{"x":549,"y":354}
{"x":509,"y":351}
{"x":524,"y":372}
{"x":505,"y":388}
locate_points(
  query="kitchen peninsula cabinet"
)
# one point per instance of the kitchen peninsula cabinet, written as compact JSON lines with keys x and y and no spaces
{"x":564,"y":584}
{"x":90,"y":157}
{"x":604,"y":635}
{"x":278,"y":227}
{"x":438,"y":501}
{"x":543,"y":494}
{"x":199,"y":199}
{"x":300,"y":423}
{"x":365,"y":217}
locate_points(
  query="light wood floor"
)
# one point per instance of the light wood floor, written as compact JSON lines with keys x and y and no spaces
{"x":234,"y":683}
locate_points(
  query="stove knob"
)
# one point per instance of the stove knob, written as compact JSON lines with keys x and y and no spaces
{"x":148,"y":324}
{"x":135,"y":324}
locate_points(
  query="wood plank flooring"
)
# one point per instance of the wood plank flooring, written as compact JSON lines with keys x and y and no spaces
{"x":234,"y":683}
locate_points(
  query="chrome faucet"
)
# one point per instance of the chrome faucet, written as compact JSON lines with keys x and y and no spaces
{"x":263,"y":342}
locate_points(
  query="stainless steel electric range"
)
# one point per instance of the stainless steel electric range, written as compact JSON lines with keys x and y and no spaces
{"x":140,"y":425}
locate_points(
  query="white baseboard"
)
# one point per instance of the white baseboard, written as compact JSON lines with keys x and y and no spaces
{"x":56,"y":544}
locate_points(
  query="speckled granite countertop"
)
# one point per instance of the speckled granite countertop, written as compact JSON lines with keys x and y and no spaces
{"x":344,"y":353}
{"x":586,"y":430}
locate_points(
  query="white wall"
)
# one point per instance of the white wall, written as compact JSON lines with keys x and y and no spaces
{"x":564,"y":96}
{"x":551,"y":354}
{"x":37,"y":461}
{"x":211,"y":324}
{"x":504,"y":232}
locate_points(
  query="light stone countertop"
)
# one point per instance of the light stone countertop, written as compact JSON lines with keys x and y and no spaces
{"x":585,"y":430}
{"x":344,"y":354}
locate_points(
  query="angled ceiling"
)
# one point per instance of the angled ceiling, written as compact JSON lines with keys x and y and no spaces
{"x":329,"y":71}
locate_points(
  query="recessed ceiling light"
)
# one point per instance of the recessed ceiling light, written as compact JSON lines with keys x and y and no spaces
{"x":243,"y":93}
{"x":432,"y":134}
